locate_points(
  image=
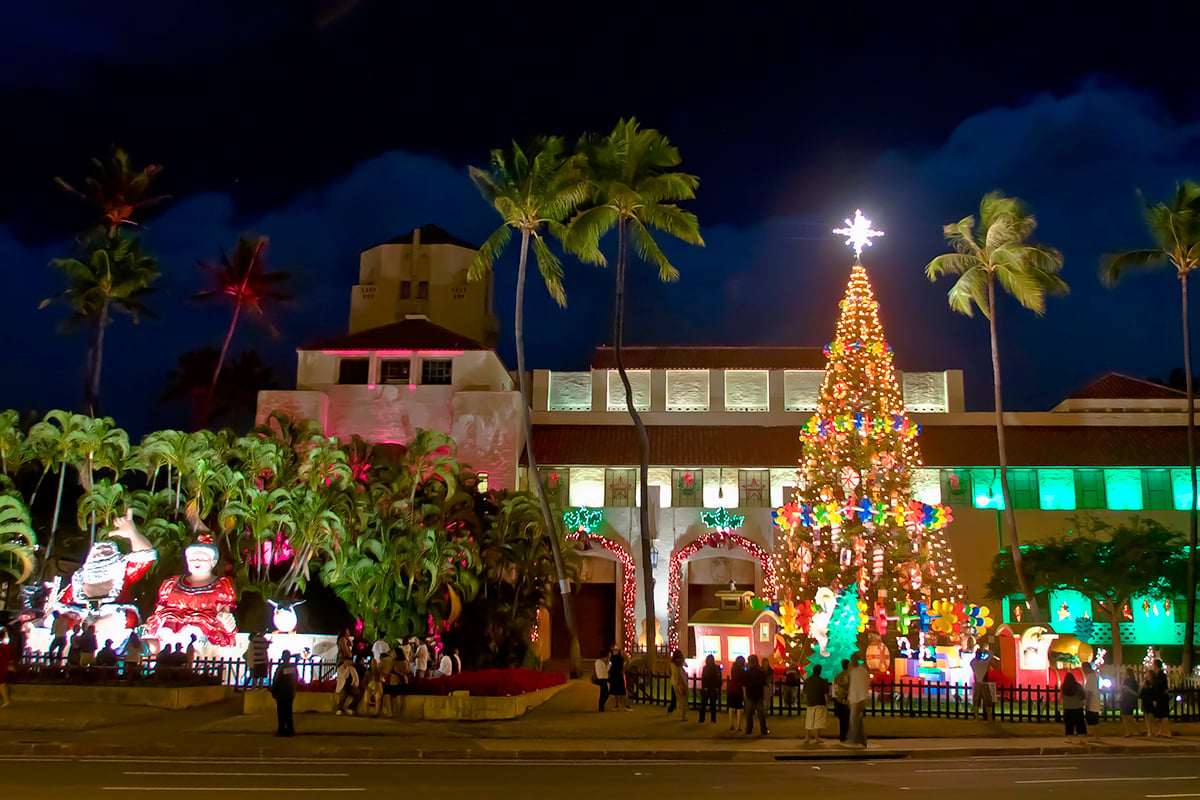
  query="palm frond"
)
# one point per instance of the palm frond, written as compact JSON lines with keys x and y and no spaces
{"x":550,"y":268}
{"x":970,"y":292}
{"x":585,"y":231}
{"x":1114,"y":266}
{"x":648,"y":250}
{"x":489,"y":251}
{"x":950,"y":264}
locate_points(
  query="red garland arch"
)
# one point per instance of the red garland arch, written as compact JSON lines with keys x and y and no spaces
{"x":628,"y":586}
{"x":713,"y":539}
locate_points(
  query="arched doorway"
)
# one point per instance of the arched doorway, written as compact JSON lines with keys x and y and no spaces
{"x":714,"y":539}
{"x":604,"y":599}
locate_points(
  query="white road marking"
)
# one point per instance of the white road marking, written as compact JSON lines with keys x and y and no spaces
{"x":999,"y":769}
{"x":1110,"y":780}
{"x":254,"y":774}
{"x":230,"y":789}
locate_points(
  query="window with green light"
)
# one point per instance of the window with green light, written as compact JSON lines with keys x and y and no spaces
{"x":1156,"y":490}
{"x":1089,"y":489}
{"x":1056,"y":488}
{"x":985,"y":489}
{"x":1123,"y":489}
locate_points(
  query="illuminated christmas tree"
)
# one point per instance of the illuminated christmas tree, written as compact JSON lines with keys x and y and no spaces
{"x":855,"y":519}
{"x":840,"y":639}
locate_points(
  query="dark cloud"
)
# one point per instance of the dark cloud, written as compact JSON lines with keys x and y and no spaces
{"x":1077,"y":159}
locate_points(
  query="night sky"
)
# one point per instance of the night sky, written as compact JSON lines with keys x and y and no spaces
{"x":333,"y":126}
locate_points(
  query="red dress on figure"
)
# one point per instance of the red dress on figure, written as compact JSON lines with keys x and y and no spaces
{"x":180,"y":605}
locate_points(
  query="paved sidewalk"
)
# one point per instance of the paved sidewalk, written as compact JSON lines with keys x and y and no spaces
{"x":566,"y":727}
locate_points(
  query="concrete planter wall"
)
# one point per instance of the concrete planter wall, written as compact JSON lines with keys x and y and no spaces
{"x":411,"y":708}
{"x":171,"y":697}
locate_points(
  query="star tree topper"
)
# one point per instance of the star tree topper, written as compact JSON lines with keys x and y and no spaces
{"x":858,"y":233}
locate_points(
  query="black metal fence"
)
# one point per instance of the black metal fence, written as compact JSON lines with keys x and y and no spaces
{"x":944,"y":700}
{"x":41,"y":668}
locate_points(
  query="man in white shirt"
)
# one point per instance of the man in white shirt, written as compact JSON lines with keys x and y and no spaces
{"x":601,"y":680}
{"x":421,"y":660}
{"x":445,"y":666}
{"x":380,"y":649}
{"x":860,"y":692}
{"x":1093,"y":702}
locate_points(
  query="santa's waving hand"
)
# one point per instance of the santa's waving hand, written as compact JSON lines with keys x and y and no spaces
{"x":141,"y":553}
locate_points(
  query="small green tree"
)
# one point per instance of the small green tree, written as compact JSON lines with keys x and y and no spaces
{"x":842,"y":641}
{"x":1109,"y":564}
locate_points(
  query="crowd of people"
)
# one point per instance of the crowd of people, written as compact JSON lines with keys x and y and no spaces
{"x":1082,"y":703}
{"x":749,"y":689}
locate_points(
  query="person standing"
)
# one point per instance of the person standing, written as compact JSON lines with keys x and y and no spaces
{"x":754,"y":682}
{"x":769,"y":688}
{"x":735,"y":696}
{"x":380,"y":649}
{"x":1128,"y":703}
{"x":791,"y":686}
{"x":283,"y":689}
{"x":6,"y":659}
{"x":59,"y":629}
{"x":1093,"y":702}
{"x":1074,"y":698}
{"x":132,"y":657}
{"x":422,"y":660}
{"x":981,"y":691}
{"x":600,"y":678}
{"x":679,"y":682}
{"x":86,"y":644}
{"x":616,"y":678}
{"x":816,"y":695}
{"x":1162,"y":702}
{"x":856,"y":697}
{"x":710,"y":687}
{"x":841,"y":699}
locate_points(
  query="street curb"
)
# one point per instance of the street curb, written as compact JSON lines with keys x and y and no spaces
{"x":834,"y":753}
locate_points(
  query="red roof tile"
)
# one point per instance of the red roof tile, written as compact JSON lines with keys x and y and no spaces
{"x":407,"y":334}
{"x":941,"y":446}
{"x":711,"y":358}
{"x":1115,"y":386}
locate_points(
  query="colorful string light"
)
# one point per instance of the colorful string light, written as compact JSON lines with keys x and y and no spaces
{"x":628,"y":583}
{"x":855,"y":519}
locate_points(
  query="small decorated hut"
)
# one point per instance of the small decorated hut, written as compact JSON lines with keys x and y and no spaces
{"x":734,"y":629}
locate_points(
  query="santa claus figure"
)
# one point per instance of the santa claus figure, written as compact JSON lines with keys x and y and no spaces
{"x":197,"y":603}
{"x":101,"y":589}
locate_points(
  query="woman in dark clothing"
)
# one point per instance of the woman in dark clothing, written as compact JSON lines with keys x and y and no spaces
{"x":734,"y":697}
{"x":710,"y":687}
{"x":1128,"y":703}
{"x":616,"y":679}
{"x":1161,"y":700}
{"x":1073,"y":698}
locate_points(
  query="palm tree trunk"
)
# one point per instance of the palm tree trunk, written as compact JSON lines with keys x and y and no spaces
{"x":1010,"y":514}
{"x":643,"y":440}
{"x":1189,"y":631}
{"x":237,"y":309}
{"x":62,"y":475}
{"x":535,"y":477}
{"x":98,"y":362}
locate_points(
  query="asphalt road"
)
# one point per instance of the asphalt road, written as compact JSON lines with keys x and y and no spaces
{"x":1093,"y":777}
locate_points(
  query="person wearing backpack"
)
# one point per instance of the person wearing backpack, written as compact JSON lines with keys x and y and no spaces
{"x":283,"y":689}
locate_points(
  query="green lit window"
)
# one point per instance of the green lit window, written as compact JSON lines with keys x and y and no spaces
{"x":1089,"y":488}
{"x":1156,"y":489}
{"x":1023,"y":483}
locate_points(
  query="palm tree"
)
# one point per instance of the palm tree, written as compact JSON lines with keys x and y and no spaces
{"x":1175,"y":229}
{"x":636,"y":189}
{"x":100,"y":444}
{"x":998,"y":253}
{"x":531,"y":192}
{"x":13,"y":451}
{"x":115,"y":277}
{"x":17,"y":542}
{"x":190,"y":380}
{"x":53,"y":440}
{"x":117,"y":190}
{"x":241,"y":275}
